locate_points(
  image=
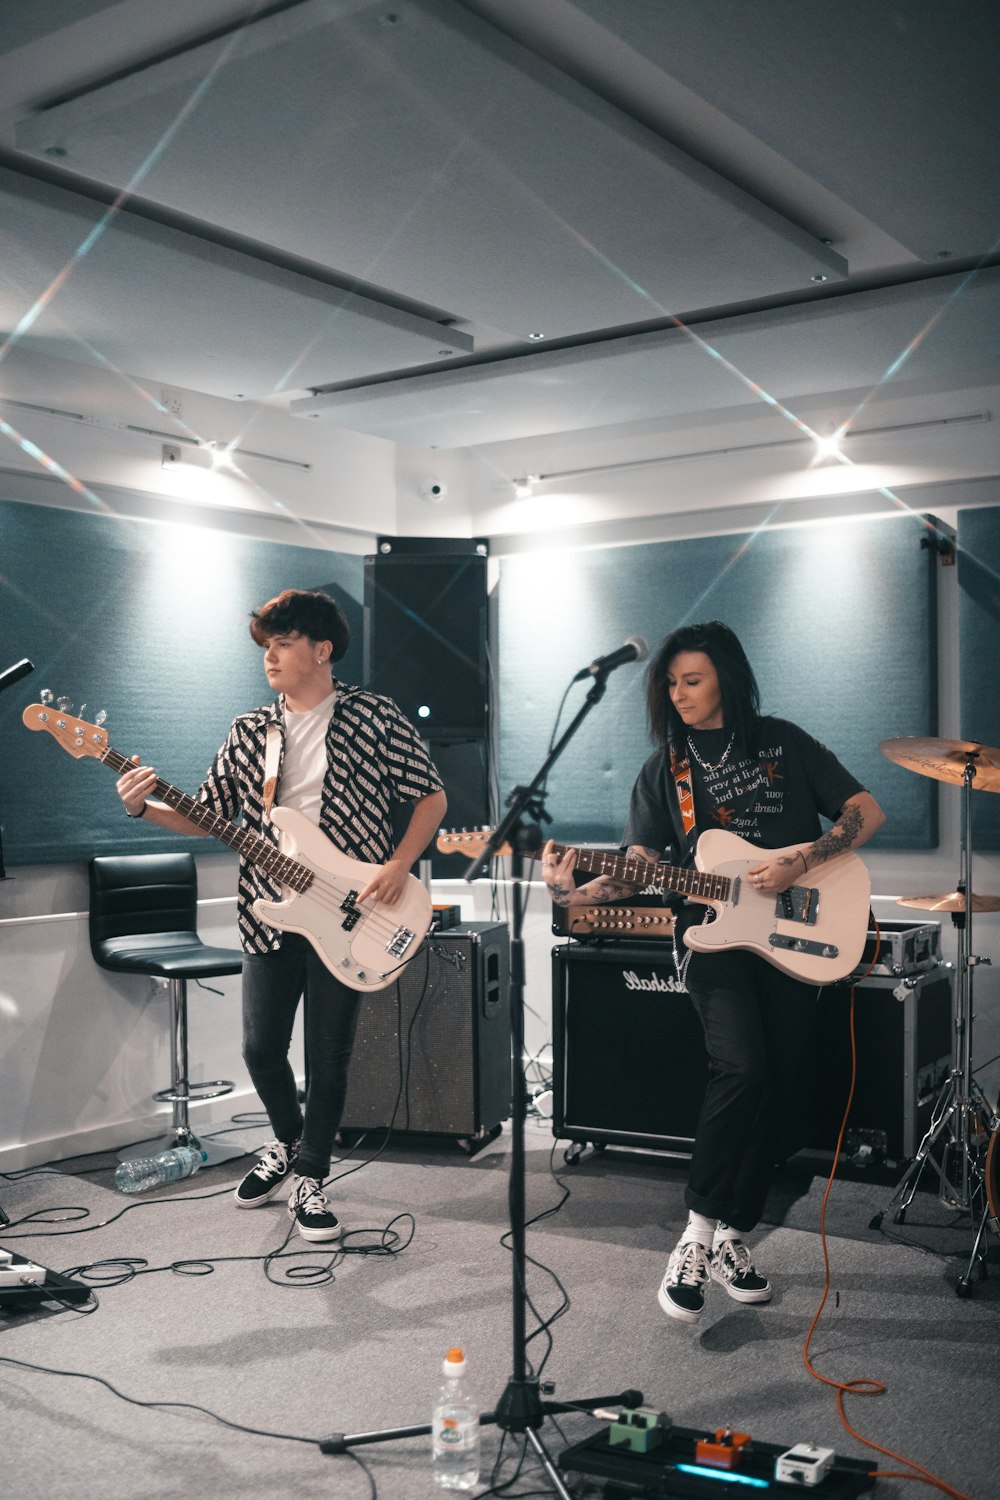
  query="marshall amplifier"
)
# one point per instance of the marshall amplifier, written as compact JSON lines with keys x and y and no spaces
{"x":629,"y":1062}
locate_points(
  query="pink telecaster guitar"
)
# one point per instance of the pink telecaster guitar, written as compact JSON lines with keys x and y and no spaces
{"x":815,"y":932}
{"x":364,"y":946}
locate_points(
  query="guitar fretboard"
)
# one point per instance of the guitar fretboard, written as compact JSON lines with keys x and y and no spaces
{"x":259,"y":851}
{"x":697,"y":884}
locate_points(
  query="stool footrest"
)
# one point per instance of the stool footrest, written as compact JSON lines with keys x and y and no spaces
{"x":211,"y":1089}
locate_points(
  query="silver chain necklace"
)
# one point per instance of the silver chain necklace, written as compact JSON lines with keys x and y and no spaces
{"x":704,"y":763}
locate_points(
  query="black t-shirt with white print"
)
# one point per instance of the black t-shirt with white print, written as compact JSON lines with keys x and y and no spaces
{"x":772,"y":796}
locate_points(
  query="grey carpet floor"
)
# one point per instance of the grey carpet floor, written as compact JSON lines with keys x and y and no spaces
{"x":358,"y":1349}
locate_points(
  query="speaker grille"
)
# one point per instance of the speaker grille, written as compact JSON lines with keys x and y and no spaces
{"x":432,"y":1053}
{"x":629,"y":1057}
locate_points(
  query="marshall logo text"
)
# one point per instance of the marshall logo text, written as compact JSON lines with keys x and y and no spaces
{"x":672,"y":985}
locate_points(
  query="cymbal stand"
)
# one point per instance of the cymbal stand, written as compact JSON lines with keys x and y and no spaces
{"x":957,"y":1124}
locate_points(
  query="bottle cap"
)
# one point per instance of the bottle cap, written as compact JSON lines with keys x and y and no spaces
{"x":203,"y":1155}
{"x":454,"y":1363}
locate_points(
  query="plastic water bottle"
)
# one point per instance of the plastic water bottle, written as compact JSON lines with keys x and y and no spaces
{"x":455,"y":1428}
{"x":144,"y":1172}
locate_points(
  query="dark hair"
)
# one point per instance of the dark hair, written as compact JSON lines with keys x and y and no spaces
{"x":307,"y":611}
{"x":740,"y":693}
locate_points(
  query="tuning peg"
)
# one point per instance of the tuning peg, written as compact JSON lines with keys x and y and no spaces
{"x":64,"y":704}
{"x":46,"y":695}
{"x":83,"y":711}
{"x":100,"y":717}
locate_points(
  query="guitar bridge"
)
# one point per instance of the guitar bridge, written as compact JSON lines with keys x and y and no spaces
{"x":399,"y":942}
{"x":800,"y":903}
{"x":352,"y":913}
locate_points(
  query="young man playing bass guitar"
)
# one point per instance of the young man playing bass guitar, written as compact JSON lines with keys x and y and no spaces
{"x":341,"y":756}
{"x":720,"y":764}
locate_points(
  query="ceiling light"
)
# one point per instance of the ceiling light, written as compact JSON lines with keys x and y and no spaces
{"x":524,"y":488}
{"x":829,"y":447}
{"x":673,"y":458}
{"x":536,"y":336}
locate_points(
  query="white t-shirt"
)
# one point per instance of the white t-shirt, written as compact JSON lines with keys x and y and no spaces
{"x":303,"y":765}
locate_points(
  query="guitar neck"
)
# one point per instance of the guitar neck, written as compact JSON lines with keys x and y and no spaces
{"x":697,"y":885}
{"x":259,"y":851}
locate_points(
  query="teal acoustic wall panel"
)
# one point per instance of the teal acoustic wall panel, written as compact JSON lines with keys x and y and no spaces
{"x":979,"y":643}
{"x":148,"y":622}
{"x":839,"y":621}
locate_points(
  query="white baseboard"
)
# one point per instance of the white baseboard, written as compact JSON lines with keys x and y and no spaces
{"x":112,"y":1136}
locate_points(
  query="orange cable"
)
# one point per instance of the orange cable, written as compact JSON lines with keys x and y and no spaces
{"x":863,"y":1386}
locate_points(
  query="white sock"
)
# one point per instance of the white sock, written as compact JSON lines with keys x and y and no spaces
{"x":698,"y":1228}
{"x":724,"y":1231}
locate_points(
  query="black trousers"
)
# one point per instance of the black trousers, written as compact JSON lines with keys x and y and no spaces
{"x":759,"y":1027}
{"x":273,"y":984}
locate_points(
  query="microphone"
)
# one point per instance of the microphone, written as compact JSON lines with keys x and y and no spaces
{"x":15,"y":673}
{"x":636,"y":648}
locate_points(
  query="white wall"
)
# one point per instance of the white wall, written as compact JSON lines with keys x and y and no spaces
{"x":81,"y":1050}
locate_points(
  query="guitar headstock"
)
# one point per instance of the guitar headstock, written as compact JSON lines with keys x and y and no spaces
{"x":468,"y":841}
{"x":76,"y":736}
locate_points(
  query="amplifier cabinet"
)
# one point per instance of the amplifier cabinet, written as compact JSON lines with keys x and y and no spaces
{"x":629,"y":1062}
{"x":903,"y":1030}
{"x":444,"y":1051}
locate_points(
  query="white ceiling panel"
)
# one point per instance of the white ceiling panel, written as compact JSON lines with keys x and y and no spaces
{"x":931,"y":329}
{"x":153,"y":300}
{"x":420,"y":149}
{"x":893,"y":106}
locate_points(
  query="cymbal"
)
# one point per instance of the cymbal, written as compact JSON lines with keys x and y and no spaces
{"x":946,"y":760}
{"x":953,"y":901}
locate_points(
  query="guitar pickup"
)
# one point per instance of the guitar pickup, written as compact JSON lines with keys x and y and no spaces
{"x":798,"y":904}
{"x":399,"y":942}
{"x":352,"y":913}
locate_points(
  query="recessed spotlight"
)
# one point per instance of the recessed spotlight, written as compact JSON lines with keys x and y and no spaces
{"x":819,"y":277}
{"x":56,"y":151}
{"x":536,"y":336}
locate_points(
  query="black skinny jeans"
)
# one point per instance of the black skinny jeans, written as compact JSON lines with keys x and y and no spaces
{"x":759,"y":1027}
{"x":273,"y":984}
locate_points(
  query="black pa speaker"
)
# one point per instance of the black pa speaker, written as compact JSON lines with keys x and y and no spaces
{"x":426,"y":623}
{"x":438,"y":1062}
{"x":629,"y":1059}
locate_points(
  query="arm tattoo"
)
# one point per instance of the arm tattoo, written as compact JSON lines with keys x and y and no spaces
{"x":636,"y":851}
{"x":842,"y":836}
{"x":599,"y":890}
{"x":605,"y":889}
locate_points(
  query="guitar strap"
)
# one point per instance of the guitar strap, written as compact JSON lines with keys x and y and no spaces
{"x":272,"y":755}
{"x":680,"y":769}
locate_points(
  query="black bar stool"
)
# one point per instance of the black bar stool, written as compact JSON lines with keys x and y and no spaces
{"x":143,"y":915}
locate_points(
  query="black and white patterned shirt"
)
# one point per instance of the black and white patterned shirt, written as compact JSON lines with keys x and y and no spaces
{"x":374,"y":759}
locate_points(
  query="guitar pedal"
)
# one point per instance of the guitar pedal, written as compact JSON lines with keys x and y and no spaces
{"x":804,"y":1464}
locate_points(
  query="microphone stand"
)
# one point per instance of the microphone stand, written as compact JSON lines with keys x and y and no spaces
{"x":520,"y":1408}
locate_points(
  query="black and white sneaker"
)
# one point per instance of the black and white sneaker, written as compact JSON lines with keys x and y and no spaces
{"x":311,"y":1212}
{"x":733,"y":1268}
{"x":264,"y":1180}
{"x":682,"y":1290}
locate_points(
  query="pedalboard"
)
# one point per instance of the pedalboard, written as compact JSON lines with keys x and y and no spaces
{"x":649,"y":1457}
{"x":24,"y":1284}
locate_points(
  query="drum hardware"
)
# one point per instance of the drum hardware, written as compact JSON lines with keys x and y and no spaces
{"x":958,"y":1122}
{"x":952,"y":901}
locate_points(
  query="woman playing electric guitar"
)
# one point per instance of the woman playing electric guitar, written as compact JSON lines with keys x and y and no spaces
{"x":720,"y":763}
